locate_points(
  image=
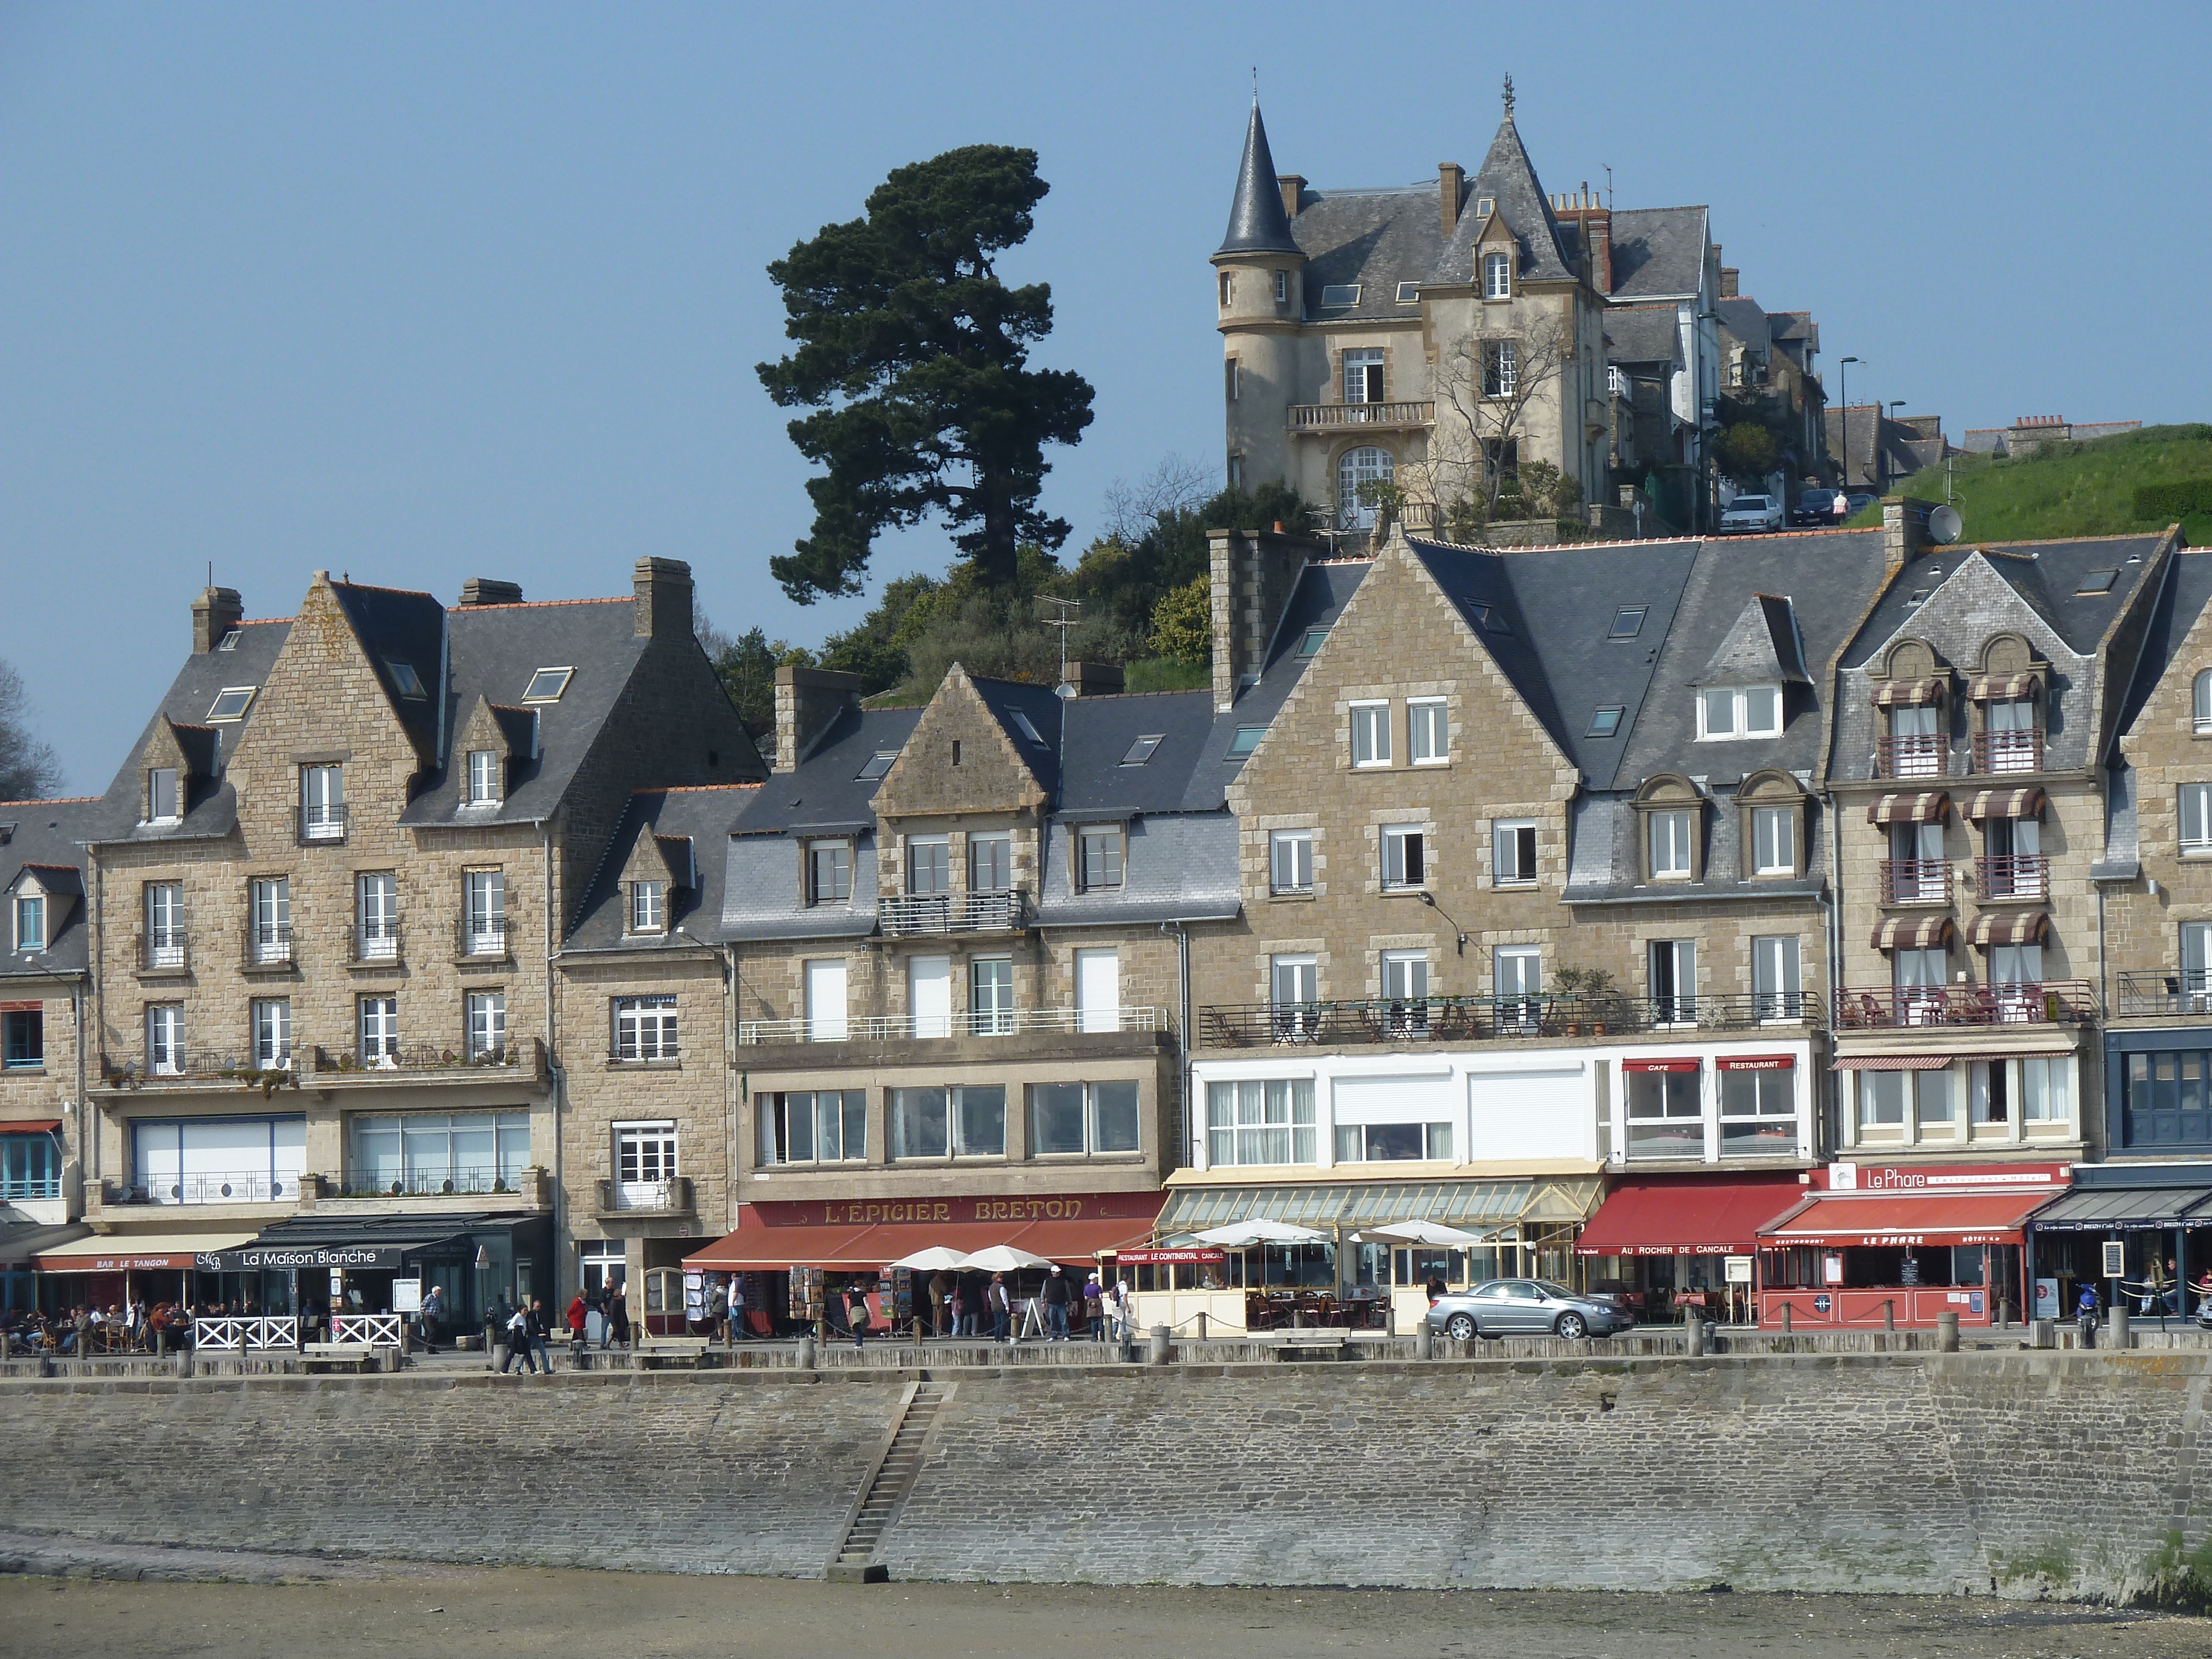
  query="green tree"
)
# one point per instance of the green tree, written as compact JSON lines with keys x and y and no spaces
{"x":914,"y":357}
{"x":1746,"y":452}
{"x":1182,"y":622}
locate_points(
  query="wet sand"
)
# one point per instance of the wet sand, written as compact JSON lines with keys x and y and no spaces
{"x":431,"y":1610}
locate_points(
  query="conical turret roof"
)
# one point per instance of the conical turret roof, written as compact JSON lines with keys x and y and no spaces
{"x":1257,"y":223}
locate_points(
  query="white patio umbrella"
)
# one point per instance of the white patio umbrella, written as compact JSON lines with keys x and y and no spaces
{"x":1416,"y":1232}
{"x":1239,"y":1234}
{"x":936,"y":1256}
{"x":1004,"y":1259}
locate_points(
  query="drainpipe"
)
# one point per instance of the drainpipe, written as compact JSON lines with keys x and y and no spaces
{"x":1182,"y":1044}
{"x":553,"y":1063}
{"x":87,"y":1128}
{"x":1832,"y":1088}
{"x":80,"y":1002}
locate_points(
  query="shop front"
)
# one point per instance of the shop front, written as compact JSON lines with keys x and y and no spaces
{"x":800,"y":1260}
{"x":115,"y":1269}
{"x":1681,"y":1246}
{"x":1877,"y":1245}
{"x":372,"y":1265}
{"x":2141,"y":1233}
{"x":20,"y":1244}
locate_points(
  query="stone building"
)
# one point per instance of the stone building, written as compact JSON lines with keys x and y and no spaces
{"x":326,"y":889}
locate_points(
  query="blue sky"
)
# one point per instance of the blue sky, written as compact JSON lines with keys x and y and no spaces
{"x":419,"y":292}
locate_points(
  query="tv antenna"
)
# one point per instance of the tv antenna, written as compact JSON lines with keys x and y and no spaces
{"x":1070,"y":613}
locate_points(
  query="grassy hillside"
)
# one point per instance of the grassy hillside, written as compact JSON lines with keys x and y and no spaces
{"x":2069,"y":490}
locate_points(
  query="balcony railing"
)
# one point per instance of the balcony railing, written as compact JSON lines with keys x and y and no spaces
{"x":2044,"y":1002}
{"x":2179,"y":991}
{"x":2015,"y":876}
{"x":184,"y":1066}
{"x":429,"y":1182}
{"x":1314,"y":418}
{"x":480,"y":936}
{"x":414,"y":1057}
{"x":268,"y":945}
{"x":1912,"y":757}
{"x":952,"y":913}
{"x":1439,"y":1019}
{"x":319,"y":825}
{"x":2008,"y":751}
{"x":216,"y":1186}
{"x":375,"y":944}
{"x":165,"y":953}
{"x":1916,"y":881}
{"x":672,"y":1196}
{"x":1004,"y":1022}
{"x":30,"y":1187}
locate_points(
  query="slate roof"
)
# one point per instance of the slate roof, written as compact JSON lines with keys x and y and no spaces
{"x":46,"y":835}
{"x":1658,"y":252}
{"x":1041,"y":706}
{"x":1257,"y":223}
{"x":398,"y":627}
{"x":702,"y":816}
{"x":1742,"y":318}
{"x":2045,"y":574}
{"x":1177,"y":867}
{"x":1098,"y":732}
{"x":1643,"y":334}
{"x":1508,"y":178}
{"x":825,"y":790}
{"x":2183,"y":597}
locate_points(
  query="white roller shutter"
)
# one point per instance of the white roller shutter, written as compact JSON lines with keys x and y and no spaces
{"x":1532,"y":1114}
{"x":1425,"y":1099}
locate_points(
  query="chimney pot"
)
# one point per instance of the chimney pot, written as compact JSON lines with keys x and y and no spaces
{"x":215,"y":613}
{"x":1729,"y":277}
{"x":489,"y":590}
{"x":663,"y":587}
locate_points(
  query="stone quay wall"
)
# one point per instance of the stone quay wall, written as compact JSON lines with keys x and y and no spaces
{"x":2077,"y":1474}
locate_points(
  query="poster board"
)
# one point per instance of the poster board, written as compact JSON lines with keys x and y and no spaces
{"x":407,"y":1296}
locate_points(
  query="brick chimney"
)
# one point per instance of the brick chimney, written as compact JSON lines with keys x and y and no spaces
{"x":1904,"y":528}
{"x":1253,"y":573}
{"x":1597,"y":245}
{"x":215,"y":613}
{"x":1294,"y":186}
{"x":806,"y":701}
{"x":663,"y":600}
{"x":1451,"y":186}
{"x":488,"y":590}
{"x":1096,"y":679}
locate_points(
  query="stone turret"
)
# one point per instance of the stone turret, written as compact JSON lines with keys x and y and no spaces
{"x":1259,"y":276}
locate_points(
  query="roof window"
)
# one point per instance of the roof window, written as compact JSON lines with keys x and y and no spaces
{"x":1310,"y":646}
{"x":1023,"y":725}
{"x":1494,"y":619}
{"x":1409,"y":294}
{"x":1606,"y":722}
{"x":1628,"y":622}
{"x":2098,"y":581}
{"x":230,"y":642}
{"x":1340,"y":293}
{"x":1246,"y":740}
{"x":1484,"y":207}
{"x":547,"y":685}
{"x":404,"y":676}
{"x":878,"y":763}
{"x":230,"y":702}
{"x":1141,"y":750}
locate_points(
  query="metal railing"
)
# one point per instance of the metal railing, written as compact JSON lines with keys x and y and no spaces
{"x":1912,"y":757}
{"x":2175,"y":991}
{"x":1916,"y":881}
{"x":1997,"y":752}
{"x":1005,"y":1022}
{"x":413,"y":1057}
{"x":201,"y":1066}
{"x":244,"y":1335}
{"x":221,"y":1187}
{"x":164,"y":953}
{"x":318,"y":826}
{"x":26,"y":1189}
{"x":376,"y":942}
{"x":430,"y":1183}
{"x":379,"y":1330}
{"x":672,"y":1196}
{"x":2014,"y":876}
{"x":2041,"y":1002}
{"x":1434,"y":1019}
{"x":480,"y":936}
{"x":1308,"y":417}
{"x":268,"y":945}
{"x":952,"y":913}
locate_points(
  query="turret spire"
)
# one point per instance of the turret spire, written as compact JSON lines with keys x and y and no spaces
{"x":1257,"y":223}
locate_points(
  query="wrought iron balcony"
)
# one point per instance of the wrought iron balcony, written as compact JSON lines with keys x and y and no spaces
{"x":2175,"y":991}
{"x":209,"y":1186}
{"x":1459,"y":1018}
{"x":672,"y":1196}
{"x":1912,"y":757}
{"x":480,"y":936}
{"x":1321,"y":418}
{"x":901,"y":913}
{"x":2040,"y":1002}
{"x":431,"y":1182}
{"x":1916,"y":881}
{"x":2016,"y":875}
{"x":268,"y":945}
{"x":415,"y":1057}
{"x":169,"y":952}
{"x":1998,"y":752}
{"x":376,"y":945}
{"x":320,"y":826}
{"x":983,"y":1023}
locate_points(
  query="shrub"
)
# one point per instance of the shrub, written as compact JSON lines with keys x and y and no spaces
{"x":2175,"y":499}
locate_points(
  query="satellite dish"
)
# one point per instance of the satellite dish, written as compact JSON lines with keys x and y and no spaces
{"x":1944,"y":525}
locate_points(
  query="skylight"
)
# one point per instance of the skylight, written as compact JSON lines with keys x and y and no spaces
{"x":231,"y":703}
{"x":1141,"y":750}
{"x":1340,"y":293}
{"x":547,"y":685}
{"x":2098,"y":581}
{"x":1628,"y":622}
{"x":1494,"y":619}
{"x":1246,"y":740}
{"x":1605,"y":722}
{"x":879,"y":762}
{"x":1409,"y":294}
{"x":1022,"y":725}
{"x":230,"y":642}
{"x":1311,"y":644}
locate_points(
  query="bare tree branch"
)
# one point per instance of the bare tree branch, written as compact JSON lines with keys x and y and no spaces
{"x":1175,"y":486}
{"x":28,"y":768}
{"x":1490,"y":383}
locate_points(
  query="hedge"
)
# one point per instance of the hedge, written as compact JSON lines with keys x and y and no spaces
{"x":2176,"y":499}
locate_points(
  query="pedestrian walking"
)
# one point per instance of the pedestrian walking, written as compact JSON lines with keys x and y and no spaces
{"x":737,"y":1304}
{"x":1056,"y":1294}
{"x":857,"y":1315}
{"x":939,"y":1287}
{"x":517,"y":1342}
{"x":1001,"y":1313}
{"x":619,"y":1318}
{"x":539,"y":1329}
{"x":432,"y":1317}
{"x":1093,"y":1307}
{"x":578,"y":1313}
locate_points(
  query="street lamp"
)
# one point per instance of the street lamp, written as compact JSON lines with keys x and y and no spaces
{"x":1844,"y":376}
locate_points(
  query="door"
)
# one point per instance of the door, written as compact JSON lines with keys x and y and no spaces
{"x":1916,"y":747}
{"x":2012,"y":737}
{"x":929,"y":995}
{"x":1916,"y":867}
{"x":825,"y":1001}
{"x":1675,"y":982}
{"x":1098,"y":990}
{"x":2016,"y":862}
{"x":2196,"y":966}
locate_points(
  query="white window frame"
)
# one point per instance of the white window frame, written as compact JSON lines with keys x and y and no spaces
{"x":485,"y":788}
{"x":484,"y":1022}
{"x":1112,"y":858}
{"x":1496,"y":276}
{"x":165,"y":924}
{"x":1505,"y":839}
{"x":376,"y":1024}
{"x":165,"y":1038}
{"x":1405,"y":975}
{"x":645,"y":1029}
{"x":1282,"y":287}
{"x":237,"y":714}
{"x":646,"y":1161}
{"x":1679,"y":842}
{"x":1739,"y":700}
{"x":932,"y":844}
{"x":322,"y":803}
{"x":1363,"y":464}
{"x":272,"y":1033}
{"x":531,"y":694}
{"x":155,"y":787}
{"x":1248,"y":1118}
{"x":484,"y":913}
{"x":1358,"y":382}
{"x":1774,"y":849}
{"x":1404,"y":845}
{"x":269,"y":917}
{"x":376,"y":925}
{"x":1528,"y":975}
{"x":649,"y":907}
{"x":1371,"y":734}
{"x":2201,"y":703}
{"x":2046,"y":1090}
{"x":839,"y":889}
{"x":1428,"y":730}
{"x":1777,"y":976}
{"x":1501,"y":367}
{"x":990,"y":996}
{"x":1290,"y":862}
{"x":2194,"y":821}
{"x":999,"y":844}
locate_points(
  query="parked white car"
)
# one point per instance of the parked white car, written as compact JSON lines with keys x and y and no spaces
{"x":1750,"y":512}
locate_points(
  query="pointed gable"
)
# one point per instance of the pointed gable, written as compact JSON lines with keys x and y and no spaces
{"x":1519,"y":209}
{"x":1257,"y":223}
{"x":1762,"y":648}
{"x":966,"y":755}
{"x":403,"y":637}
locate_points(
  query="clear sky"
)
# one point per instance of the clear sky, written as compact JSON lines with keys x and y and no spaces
{"x":423,"y":292}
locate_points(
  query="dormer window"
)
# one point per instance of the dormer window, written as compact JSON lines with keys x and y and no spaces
{"x":484,"y":777}
{"x":31,"y":921}
{"x":829,"y":872}
{"x":1484,"y":206}
{"x":1340,"y":294}
{"x":1672,"y":839}
{"x":2202,"y":704}
{"x":230,"y":642}
{"x":1023,"y":725}
{"x":1141,"y":750}
{"x":1497,"y":277}
{"x":161,"y":794}
{"x":1739,"y":711}
{"x":648,"y":912}
{"x":547,"y":685}
{"x":1100,"y":853}
{"x":877,"y":764}
{"x":230,"y":704}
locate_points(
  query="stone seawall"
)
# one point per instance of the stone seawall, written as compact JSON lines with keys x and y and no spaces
{"x":2036,"y":1473}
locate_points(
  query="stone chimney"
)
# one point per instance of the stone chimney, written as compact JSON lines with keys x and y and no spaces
{"x":1253,"y":573}
{"x":1904,"y":529}
{"x":1096,"y":679}
{"x":1597,"y":248}
{"x":663,"y":600}
{"x":1451,"y":186}
{"x":488,"y":590}
{"x":1729,"y":275}
{"x":1294,"y":186}
{"x":215,"y":613}
{"x":806,"y":701}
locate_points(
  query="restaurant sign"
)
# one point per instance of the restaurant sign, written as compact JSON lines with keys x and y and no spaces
{"x":868,"y":1212}
{"x":304,"y":1257}
{"x":1941,"y":1178}
{"x":1195,"y":1257}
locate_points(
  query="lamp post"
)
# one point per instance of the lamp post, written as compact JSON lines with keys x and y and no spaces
{"x":1844,"y":376}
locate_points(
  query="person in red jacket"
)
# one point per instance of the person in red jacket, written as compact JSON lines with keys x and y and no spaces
{"x":577,"y":1312}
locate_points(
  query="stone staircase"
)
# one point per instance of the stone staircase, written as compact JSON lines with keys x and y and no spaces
{"x":887,"y":1485}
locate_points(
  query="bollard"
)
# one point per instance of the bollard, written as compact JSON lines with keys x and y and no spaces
{"x":1695,"y":1331}
{"x":1202,"y":1325}
{"x":1785,"y":1319}
{"x":1947,"y":1332}
{"x":1889,"y":1315}
{"x":1424,"y":1342}
{"x":2007,"y":1314}
{"x":1161,"y":1349}
{"x":2120,"y":1338}
{"x":806,"y":1352}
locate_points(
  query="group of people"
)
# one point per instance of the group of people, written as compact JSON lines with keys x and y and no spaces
{"x":982,"y":1308}
{"x":134,"y":1327}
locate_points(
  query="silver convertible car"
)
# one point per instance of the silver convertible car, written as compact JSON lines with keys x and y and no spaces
{"x":1526,"y":1307}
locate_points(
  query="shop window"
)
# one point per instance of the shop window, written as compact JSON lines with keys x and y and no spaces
{"x":602,"y":1266}
{"x":239,"y":1160}
{"x":1083,"y":1117}
{"x":24,"y":1038}
{"x":949,"y":1122}
{"x":1392,"y":1143}
{"x":1758,"y":1107}
{"x":400,"y":1154}
{"x":1258,"y":1121}
{"x":829,"y":1125}
{"x":1665,"y":1109}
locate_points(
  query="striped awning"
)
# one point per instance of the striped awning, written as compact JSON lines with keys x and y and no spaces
{"x":1892,"y":1062}
{"x":2005,"y":803}
{"x":1910,"y":809}
{"x":2008,"y":927}
{"x":1907,"y":694}
{"x":2004,"y":688}
{"x":1912,"y":934}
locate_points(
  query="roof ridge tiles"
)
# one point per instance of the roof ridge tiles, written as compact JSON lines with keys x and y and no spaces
{"x":35,"y":864}
{"x":55,"y":800}
{"x":187,"y":726}
{"x":542,"y":605}
{"x":264,"y":622}
{"x":376,"y":587}
{"x":2061,"y":541}
{"x":695,"y":788}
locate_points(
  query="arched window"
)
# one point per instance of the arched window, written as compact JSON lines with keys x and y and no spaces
{"x":2203,"y":703}
{"x":1367,"y":464}
{"x":1497,"y":277}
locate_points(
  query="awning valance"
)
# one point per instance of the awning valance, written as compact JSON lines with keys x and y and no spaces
{"x":1352,"y":1205}
{"x":1912,"y":934}
{"x":2005,"y":803}
{"x":1686,"y":1216}
{"x":1925,"y":808}
{"x":2008,"y":927}
{"x":1892,"y":1062}
{"x":1907,"y":694}
{"x":2120,"y":1209}
{"x":30,"y":1126}
{"x":2004,"y":688}
{"x":109,"y":1253}
{"x":1840,"y":1220}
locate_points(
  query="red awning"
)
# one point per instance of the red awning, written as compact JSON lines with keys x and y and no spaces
{"x":1846,"y":1219}
{"x":1661,"y":1065}
{"x":772,"y":1248}
{"x":30,"y":1126}
{"x":1686,"y":1216}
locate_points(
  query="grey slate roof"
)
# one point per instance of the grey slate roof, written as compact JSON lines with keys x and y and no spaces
{"x":48,"y":835}
{"x":1508,"y":178}
{"x":826,"y":791}
{"x":701,"y":816}
{"x":1099,"y":732}
{"x":1643,"y":334}
{"x":1658,"y":252}
{"x":1763,"y":647}
{"x":1179,"y":867}
{"x":1257,"y":223}
{"x":762,"y":898}
{"x":2187,"y":590}
{"x":1039,"y":704}
{"x":1742,"y":318}
{"x":399,"y":626}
